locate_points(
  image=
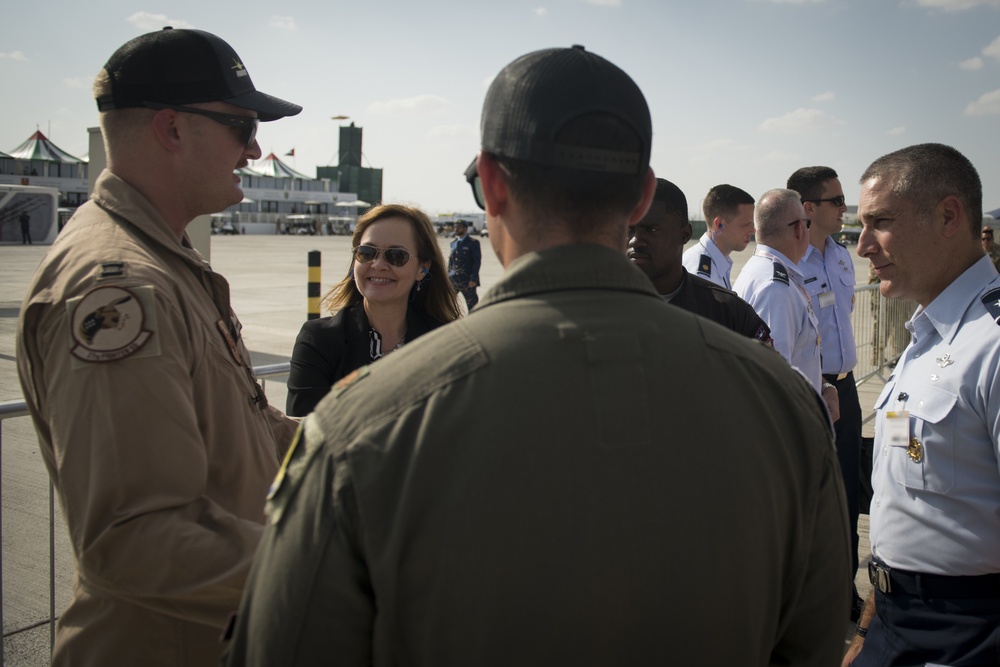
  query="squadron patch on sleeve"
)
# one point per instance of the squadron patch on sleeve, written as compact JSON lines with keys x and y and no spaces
{"x":705,"y":266}
{"x":780,"y":273}
{"x":992,"y":302}
{"x":109,"y":323}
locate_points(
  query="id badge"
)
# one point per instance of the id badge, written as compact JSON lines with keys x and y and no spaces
{"x":897,"y":428}
{"x":826,"y":299}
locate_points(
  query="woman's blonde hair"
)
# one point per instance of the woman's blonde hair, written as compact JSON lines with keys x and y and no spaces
{"x":436,"y":296}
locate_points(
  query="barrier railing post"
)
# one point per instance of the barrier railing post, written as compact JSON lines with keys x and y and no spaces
{"x":313,"y":288}
{"x":52,"y":568}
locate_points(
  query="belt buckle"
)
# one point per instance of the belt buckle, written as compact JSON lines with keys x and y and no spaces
{"x":879,"y":577}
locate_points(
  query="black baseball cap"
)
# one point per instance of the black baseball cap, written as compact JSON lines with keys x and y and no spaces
{"x":185,"y":67}
{"x":534,"y":97}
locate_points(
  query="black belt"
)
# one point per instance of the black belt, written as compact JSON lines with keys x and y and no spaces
{"x":889,"y":580}
{"x":833,"y":378}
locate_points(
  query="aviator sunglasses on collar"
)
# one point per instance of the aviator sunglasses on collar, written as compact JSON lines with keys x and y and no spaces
{"x":246,"y":124}
{"x":836,"y":201}
{"x":369,"y":253}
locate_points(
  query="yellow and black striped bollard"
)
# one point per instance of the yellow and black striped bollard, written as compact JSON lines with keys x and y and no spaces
{"x":313,"y":288}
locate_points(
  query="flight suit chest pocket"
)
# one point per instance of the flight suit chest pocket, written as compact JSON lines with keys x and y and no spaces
{"x":928,"y":464}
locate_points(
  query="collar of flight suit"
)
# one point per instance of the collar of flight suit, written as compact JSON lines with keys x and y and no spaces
{"x":124,"y":202}
{"x":568,"y":267}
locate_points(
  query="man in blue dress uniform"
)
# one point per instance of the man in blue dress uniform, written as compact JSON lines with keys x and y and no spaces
{"x":463,"y":263}
{"x":935,"y":514}
{"x":828,"y":277}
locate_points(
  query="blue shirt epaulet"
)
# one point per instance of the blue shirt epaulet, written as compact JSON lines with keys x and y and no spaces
{"x":992,"y":302}
{"x":780,"y":273}
{"x":705,"y":266}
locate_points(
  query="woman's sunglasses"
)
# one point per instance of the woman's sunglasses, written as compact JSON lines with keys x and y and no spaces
{"x":369,"y":253}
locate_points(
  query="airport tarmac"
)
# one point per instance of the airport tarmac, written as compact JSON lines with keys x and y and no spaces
{"x":268,"y":276}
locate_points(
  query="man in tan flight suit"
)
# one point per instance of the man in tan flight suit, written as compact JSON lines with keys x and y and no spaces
{"x":154,"y":429}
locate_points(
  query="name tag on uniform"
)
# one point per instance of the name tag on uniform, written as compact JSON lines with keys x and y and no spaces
{"x":826,"y":299}
{"x":897,"y":428}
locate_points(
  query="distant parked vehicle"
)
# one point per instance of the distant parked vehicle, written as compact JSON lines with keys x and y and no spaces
{"x":303,"y":225}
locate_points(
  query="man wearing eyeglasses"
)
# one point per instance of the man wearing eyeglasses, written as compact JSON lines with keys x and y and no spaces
{"x":935,"y":515}
{"x":772,"y":283}
{"x":154,"y":430}
{"x":828,"y":276}
{"x":512,"y":488}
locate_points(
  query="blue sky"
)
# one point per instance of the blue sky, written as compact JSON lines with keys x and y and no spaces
{"x":741,"y":91}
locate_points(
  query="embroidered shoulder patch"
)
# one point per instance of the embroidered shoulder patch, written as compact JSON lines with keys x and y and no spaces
{"x":780,"y":273}
{"x":992,"y":302}
{"x":705,"y":266}
{"x":109,"y":323}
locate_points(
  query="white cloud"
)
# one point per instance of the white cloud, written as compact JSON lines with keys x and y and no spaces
{"x":282,"y":23}
{"x":972,"y":63}
{"x":451,"y":132}
{"x":540,"y":11}
{"x":605,"y":3}
{"x":420,"y":104}
{"x":988,"y":104}
{"x":955,"y":5}
{"x":800,"y":121}
{"x":824,"y":97}
{"x":78,"y":82}
{"x":13,"y":55}
{"x":897,"y":131}
{"x":993,"y":50}
{"x":149,"y":22}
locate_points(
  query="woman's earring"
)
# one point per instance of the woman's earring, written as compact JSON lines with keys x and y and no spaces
{"x":419,"y":283}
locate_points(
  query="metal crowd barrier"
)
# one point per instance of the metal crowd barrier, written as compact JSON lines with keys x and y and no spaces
{"x":879,"y":335}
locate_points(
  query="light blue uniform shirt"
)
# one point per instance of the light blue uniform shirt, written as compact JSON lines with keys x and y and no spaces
{"x":772,"y":284}
{"x":829,"y":279}
{"x":941,"y":515}
{"x":706,"y":260}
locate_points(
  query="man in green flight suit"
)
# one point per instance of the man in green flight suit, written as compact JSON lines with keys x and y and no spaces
{"x":547,"y":481}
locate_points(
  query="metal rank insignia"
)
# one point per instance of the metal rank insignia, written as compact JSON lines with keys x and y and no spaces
{"x":915,"y":450}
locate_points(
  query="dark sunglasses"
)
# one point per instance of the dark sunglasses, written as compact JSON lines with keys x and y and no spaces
{"x":246,"y":125}
{"x":836,"y":201}
{"x":369,"y":253}
{"x":809,"y":223}
{"x":472,"y":176}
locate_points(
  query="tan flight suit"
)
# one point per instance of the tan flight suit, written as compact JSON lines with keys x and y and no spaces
{"x":154,"y":431}
{"x":574,"y":474}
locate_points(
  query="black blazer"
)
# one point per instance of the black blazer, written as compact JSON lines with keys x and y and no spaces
{"x":329,"y":348}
